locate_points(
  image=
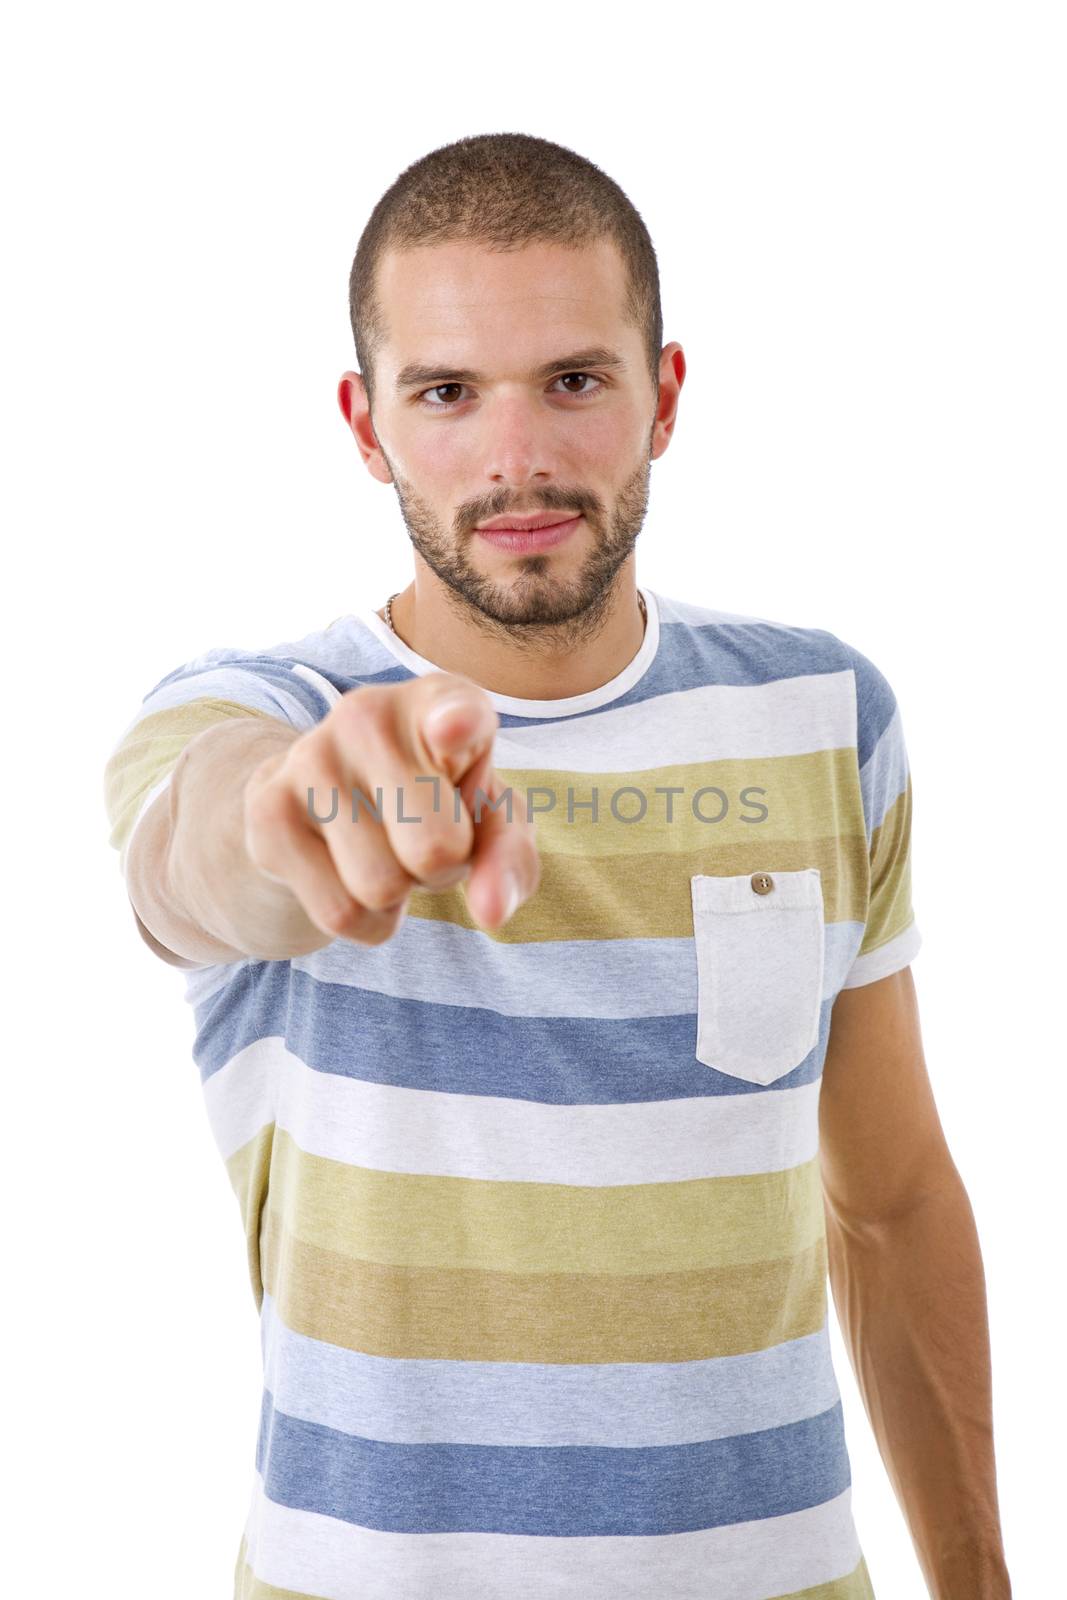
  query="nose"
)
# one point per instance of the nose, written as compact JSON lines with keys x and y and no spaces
{"x":519,"y":446}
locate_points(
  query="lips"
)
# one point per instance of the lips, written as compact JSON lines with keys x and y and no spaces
{"x":530,"y":540}
{"x":523,"y":524}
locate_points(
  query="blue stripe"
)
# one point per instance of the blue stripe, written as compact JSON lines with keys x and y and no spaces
{"x":875,"y":703}
{"x":558,"y":1491}
{"x":884,"y":778}
{"x":419,"y":1044}
{"x":271,"y":671}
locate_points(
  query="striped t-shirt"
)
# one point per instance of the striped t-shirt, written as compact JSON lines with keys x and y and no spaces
{"x":534,"y":1217}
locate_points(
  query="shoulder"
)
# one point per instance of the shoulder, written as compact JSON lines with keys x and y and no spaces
{"x":318,"y":667}
{"x":772,"y":646}
{"x":877,"y":710}
{"x":743,"y":647}
{"x":348,"y":652}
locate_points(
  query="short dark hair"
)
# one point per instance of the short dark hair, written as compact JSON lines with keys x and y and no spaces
{"x":505,"y":190}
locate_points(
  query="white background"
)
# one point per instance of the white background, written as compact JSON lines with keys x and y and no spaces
{"x":859,"y":218}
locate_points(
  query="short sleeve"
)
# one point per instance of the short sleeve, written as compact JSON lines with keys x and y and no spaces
{"x":891,"y":936}
{"x":219,"y":684}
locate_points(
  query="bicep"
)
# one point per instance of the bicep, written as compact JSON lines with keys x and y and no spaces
{"x":882,"y":1146}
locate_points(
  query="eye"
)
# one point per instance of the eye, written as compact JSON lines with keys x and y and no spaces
{"x":445,"y":405}
{"x":448,"y":405}
{"x":585,"y":376}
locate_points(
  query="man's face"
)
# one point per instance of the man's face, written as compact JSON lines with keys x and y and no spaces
{"x":483,"y":429}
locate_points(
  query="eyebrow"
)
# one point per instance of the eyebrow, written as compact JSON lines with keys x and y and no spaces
{"x":415,"y":376}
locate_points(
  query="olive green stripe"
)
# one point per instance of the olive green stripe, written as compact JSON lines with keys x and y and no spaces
{"x":638,"y":896}
{"x":811,"y":794}
{"x":791,"y":797}
{"x":452,"y":1314}
{"x":417,"y":1220}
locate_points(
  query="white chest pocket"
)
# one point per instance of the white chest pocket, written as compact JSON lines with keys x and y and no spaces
{"x":760,"y":950}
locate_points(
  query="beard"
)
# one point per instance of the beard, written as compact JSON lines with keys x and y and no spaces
{"x":533,"y":606}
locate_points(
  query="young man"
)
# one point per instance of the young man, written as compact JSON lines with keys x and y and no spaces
{"x":516,"y":914}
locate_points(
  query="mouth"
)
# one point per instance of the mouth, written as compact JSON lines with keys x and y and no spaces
{"x":529,"y":538}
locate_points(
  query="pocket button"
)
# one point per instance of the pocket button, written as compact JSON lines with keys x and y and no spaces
{"x":762,"y":882}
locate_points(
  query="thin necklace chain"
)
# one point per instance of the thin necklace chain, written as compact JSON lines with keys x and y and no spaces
{"x":392,"y":597}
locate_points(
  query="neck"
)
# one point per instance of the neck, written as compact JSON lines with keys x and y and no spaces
{"x":537,"y":661}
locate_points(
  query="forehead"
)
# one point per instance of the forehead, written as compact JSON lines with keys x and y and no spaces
{"x":451,"y":301}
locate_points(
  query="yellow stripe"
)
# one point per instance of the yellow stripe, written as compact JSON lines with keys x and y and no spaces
{"x":638,"y":896}
{"x":796,"y":796}
{"x":563,"y":1317}
{"x":414,"y":1220}
{"x":249,"y":1170}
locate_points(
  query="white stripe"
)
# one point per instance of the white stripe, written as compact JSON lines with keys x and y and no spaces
{"x":204,"y":981}
{"x":617,"y":1404}
{"x":887,"y":959}
{"x":443,"y":964}
{"x":325,"y":1556}
{"x":391,"y":1129}
{"x":712,"y":722}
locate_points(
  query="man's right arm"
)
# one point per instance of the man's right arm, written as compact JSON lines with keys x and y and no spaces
{"x":229,"y":861}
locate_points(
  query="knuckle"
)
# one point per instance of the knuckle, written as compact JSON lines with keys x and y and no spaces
{"x":316,"y":761}
{"x":339,"y":918}
{"x":379,"y":891}
{"x":266,"y":810}
{"x":436,"y":856}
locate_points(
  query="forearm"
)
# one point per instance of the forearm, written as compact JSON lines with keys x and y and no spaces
{"x":189,"y":876}
{"x":910,"y":1296}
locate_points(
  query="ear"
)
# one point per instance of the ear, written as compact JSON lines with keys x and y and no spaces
{"x":355,"y":408}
